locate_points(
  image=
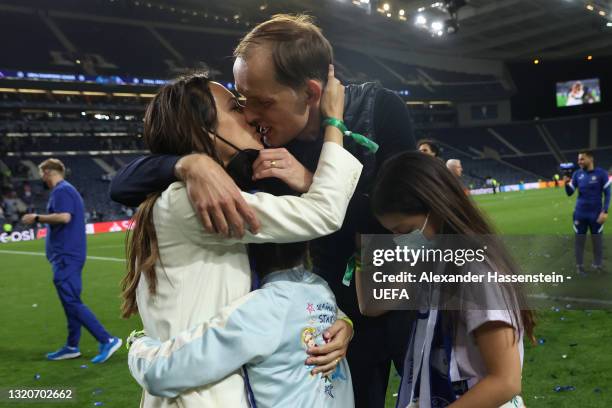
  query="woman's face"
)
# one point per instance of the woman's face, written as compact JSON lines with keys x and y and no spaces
{"x":232,"y":125}
{"x":399,"y":223}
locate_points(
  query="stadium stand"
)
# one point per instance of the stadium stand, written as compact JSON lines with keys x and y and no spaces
{"x":36,"y":38}
{"x":94,"y":125}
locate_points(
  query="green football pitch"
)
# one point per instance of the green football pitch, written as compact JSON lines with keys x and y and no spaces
{"x":577,"y":348}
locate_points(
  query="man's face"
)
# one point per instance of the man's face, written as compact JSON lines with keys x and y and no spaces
{"x":459,"y":170}
{"x":281,"y":111}
{"x":456,"y":168}
{"x":426,"y":149}
{"x":45,"y":176}
{"x":584,"y":161}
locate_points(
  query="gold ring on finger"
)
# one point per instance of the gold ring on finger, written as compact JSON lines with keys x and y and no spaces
{"x":273,"y":163}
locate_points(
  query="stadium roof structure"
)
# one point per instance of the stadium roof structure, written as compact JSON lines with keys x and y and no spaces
{"x":488,"y":29}
{"x":490,"y":32}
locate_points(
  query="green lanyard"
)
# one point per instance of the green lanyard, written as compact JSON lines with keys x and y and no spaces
{"x":349,"y":271}
{"x":359,"y":139}
{"x":352,"y":265}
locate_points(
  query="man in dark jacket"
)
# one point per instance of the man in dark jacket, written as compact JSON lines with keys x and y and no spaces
{"x":280,"y":69}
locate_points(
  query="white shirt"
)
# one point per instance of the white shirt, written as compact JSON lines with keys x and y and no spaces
{"x":202,"y":272}
{"x":465,"y":354}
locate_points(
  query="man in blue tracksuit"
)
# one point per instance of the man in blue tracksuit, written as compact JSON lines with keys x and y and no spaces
{"x":592,"y":183}
{"x":66,"y":251}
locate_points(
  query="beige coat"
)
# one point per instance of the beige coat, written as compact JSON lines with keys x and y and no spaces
{"x":202,"y":272}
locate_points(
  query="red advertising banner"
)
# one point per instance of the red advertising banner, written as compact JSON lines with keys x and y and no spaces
{"x":90,"y":229}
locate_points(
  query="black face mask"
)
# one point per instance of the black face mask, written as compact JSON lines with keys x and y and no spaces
{"x":240,"y":169}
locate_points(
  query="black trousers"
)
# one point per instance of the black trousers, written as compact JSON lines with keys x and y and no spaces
{"x":377,"y":343}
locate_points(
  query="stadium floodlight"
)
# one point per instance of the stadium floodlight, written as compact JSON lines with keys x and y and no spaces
{"x":437,"y":26}
{"x":590,"y":7}
{"x":365,"y":1}
{"x":386,"y":7}
{"x":402,"y":12}
{"x":602,"y":13}
{"x":420,"y":20}
{"x":609,"y":24}
{"x":440,"y":33}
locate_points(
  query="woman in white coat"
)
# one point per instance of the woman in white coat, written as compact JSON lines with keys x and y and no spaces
{"x":178,"y":274}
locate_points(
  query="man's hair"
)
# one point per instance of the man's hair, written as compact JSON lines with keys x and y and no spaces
{"x":433,"y":146}
{"x":299,"y":49}
{"x":54,"y":165}
{"x":588,"y":153}
{"x":453,"y":162}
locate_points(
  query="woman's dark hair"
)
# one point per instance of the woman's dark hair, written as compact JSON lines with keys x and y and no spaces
{"x":178,"y":121}
{"x":415,"y":183}
{"x":181,"y":117}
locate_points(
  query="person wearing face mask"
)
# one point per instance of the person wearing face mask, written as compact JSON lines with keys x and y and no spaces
{"x":461,"y":357}
{"x":180,"y":276}
{"x":66,"y":251}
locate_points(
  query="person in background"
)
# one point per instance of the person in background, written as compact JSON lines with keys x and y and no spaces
{"x":575,"y":94}
{"x":428,"y":146}
{"x":454,"y":165}
{"x":66,"y":251}
{"x":591,"y":212}
{"x":492,"y":183}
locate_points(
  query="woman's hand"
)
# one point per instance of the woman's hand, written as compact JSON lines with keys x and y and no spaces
{"x":332,"y":101}
{"x":327,"y":357}
{"x":283,"y":165}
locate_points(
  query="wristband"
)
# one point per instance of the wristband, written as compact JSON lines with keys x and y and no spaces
{"x":358,"y":138}
{"x":134,"y":335}
{"x":348,"y":320}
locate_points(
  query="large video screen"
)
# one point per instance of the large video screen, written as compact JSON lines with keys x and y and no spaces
{"x":578,"y":92}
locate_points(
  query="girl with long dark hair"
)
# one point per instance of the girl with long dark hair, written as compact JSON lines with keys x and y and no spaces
{"x":479,"y":356}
